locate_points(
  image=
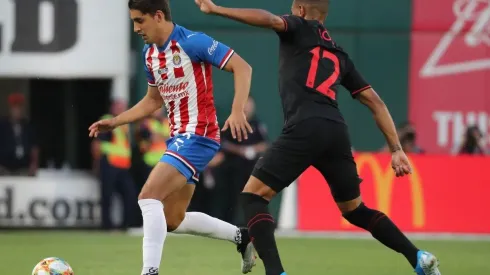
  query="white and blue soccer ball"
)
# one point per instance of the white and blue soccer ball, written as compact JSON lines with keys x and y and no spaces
{"x":52,"y":266}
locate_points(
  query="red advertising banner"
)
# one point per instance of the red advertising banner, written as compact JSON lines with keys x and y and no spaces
{"x":449,"y":71}
{"x":444,"y":194}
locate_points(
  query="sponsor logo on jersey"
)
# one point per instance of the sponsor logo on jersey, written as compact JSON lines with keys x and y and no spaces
{"x":166,"y":88}
{"x":213,"y":47}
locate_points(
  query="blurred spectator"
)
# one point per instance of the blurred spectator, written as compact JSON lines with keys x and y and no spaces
{"x":408,"y":139}
{"x":203,"y":200}
{"x":408,"y":142}
{"x":473,"y":142}
{"x":152,"y":134}
{"x":236,"y":162}
{"x":19,"y":153}
{"x":111,"y":163}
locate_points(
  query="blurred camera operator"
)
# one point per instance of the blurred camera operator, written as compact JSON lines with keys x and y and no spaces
{"x":408,"y":139}
{"x":473,"y":142}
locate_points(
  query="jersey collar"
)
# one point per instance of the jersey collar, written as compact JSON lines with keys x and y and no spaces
{"x":172,"y":36}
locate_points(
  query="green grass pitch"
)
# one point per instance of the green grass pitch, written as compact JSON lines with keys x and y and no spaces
{"x":92,"y":253}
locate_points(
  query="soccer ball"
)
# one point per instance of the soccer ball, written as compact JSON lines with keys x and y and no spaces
{"x":52,"y":266}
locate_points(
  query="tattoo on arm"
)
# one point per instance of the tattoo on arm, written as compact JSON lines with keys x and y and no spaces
{"x":395,"y":148}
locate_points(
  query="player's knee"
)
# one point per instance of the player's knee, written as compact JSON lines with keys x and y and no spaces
{"x":257,"y":187}
{"x":350,"y":205}
{"x":253,"y":205}
{"x":148,"y":193}
{"x":362,"y":216}
{"x":356,"y":216}
{"x":174,"y":220}
{"x":247,"y":198}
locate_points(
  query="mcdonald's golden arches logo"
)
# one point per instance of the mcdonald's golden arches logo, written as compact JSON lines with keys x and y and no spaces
{"x":383,"y":181}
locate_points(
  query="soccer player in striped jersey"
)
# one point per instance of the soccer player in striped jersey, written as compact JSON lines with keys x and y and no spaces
{"x":178,"y":64}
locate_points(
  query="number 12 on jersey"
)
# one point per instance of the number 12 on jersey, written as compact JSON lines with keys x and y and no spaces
{"x":324,"y":87}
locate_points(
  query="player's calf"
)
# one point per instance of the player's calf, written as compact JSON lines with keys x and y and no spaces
{"x":155,"y":231}
{"x":261,"y":229}
{"x":195,"y":223}
{"x":173,"y":220}
{"x":261,"y":226}
{"x":176,"y":206}
{"x":162,"y":182}
{"x":380,"y":227}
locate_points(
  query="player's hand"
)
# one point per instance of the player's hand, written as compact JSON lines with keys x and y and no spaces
{"x":400,"y":163}
{"x":238,"y":124}
{"x":206,"y":6}
{"x":101,"y":126}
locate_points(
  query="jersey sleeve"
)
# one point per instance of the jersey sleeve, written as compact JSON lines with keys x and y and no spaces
{"x":208,"y":50}
{"x":292,"y":24}
{"x":353,"y":80}
{"x":147,"y":60}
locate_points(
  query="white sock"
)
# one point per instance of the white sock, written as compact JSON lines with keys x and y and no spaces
{"x":155,"y":231}
{"x":200,"y":224}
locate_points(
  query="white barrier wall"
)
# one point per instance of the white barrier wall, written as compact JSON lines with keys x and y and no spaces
{"x":49,"y":201}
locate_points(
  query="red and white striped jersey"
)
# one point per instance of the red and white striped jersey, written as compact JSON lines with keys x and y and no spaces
{"x":182,"y":71}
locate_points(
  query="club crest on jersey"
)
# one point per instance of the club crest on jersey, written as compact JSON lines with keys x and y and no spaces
{"x":177,"y":60}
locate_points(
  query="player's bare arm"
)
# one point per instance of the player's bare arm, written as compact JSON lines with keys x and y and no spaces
{"x":382,"y":117}
{"x":385,"y":123}
{"x":146,"y":106}
{"x":151,"y":102}
{"x":237,"y":122}
{"x":254,"y":17}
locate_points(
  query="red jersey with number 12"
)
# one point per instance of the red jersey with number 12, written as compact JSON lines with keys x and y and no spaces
{"x":312,"y":67}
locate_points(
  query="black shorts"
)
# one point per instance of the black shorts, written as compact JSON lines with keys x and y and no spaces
{"x":317,"y":142}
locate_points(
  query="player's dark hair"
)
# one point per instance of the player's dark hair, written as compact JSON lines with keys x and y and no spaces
{"x":151,"y":7}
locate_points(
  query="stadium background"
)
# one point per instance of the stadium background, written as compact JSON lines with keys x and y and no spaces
{"x":429,"y":61}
